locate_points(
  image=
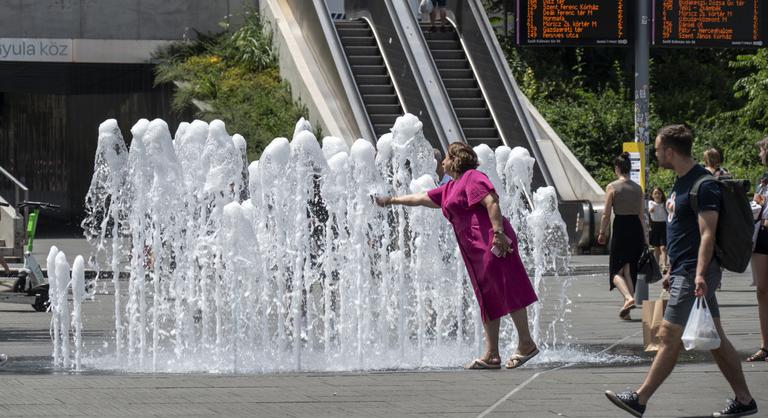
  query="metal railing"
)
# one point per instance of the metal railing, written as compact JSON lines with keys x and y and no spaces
{"x":19,"y":186}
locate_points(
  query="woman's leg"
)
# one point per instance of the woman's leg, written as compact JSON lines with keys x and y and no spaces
{"x":657,"y":255}
{"x":525,"y":344}
{"x":5,"y":265}
{"x":760,"y":274}
{"x":623,"y":281}
{"x":664,"y":257}
{"x":443,"y":18}
{"x":491,"y":328}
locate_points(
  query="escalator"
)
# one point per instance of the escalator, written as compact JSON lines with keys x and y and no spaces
{"x":462,"y":87}
{"x":370,"y":73}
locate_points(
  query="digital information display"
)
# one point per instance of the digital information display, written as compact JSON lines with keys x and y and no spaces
{"x":573,"y":22}
{"x":710,"y":23}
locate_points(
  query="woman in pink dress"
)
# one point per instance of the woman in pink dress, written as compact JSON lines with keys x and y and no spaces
{"x":489,"y":247}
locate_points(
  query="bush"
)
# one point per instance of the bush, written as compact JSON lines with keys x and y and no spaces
{"x":233,"y":77}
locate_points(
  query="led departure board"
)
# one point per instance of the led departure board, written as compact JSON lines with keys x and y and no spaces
{"x":710,"y":23}
{"x":573,"y":22}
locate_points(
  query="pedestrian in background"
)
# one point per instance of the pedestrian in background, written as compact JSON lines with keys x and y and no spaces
{"x":658,"y":235}
{"x":713,"y":158}
{"x":694,"y":272}
{"x":624,"y":198}
{"x":438,"y":10}
{"x":442,"y":176}
{"x":760,"y":261}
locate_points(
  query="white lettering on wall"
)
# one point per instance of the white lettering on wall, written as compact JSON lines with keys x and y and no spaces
{"x":35,"y":49}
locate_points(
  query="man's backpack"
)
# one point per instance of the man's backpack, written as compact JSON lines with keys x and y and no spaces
{"x":735,"y":224}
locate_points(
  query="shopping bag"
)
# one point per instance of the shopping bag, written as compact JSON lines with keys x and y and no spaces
{"x":700,"y":332}
{"x":425,"y":7}
{"x":648,"y":267}
{"x":653,"y":315}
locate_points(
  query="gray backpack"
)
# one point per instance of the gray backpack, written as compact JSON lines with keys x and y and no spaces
{"x":735,"y":225}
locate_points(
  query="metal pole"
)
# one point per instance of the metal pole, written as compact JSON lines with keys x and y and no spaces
{"x":642,"y":48}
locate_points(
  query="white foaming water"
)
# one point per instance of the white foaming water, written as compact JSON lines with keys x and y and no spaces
{"x":307,"y":274}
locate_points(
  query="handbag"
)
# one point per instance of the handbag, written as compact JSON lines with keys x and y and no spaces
{"x":649,"y":267}
{"x":653,"y":315}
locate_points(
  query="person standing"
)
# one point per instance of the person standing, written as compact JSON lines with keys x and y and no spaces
{"x":760,"y":261}
{"x":438,"y":10}
{"x":658,"y":236}
{"x":694,"y":272}
{"x":442,"y":176}
{"x":624,"y":197}
{"x":488,"y":245}
{"x":712,"y":160}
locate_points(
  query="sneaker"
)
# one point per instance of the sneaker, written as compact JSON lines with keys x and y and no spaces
{"x":628,"y":401}
{"x":735,"y":408}
{"x":3,"y":359}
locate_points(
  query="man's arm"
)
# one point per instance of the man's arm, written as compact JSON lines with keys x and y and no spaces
{"x":707,"y":229}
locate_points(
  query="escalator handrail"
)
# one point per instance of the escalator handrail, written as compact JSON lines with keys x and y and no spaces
{"x":510,"y":85}
{"x":336,"y":51}
{"x":436,"y":98}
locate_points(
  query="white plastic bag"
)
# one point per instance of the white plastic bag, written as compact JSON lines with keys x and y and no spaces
{"x":700,"y":332}
{"x":425,"y":7}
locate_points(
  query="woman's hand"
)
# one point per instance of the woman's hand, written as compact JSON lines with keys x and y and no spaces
{"x":383,"y":201}
{"x":501,"y":242}
{"x":601,"y":238}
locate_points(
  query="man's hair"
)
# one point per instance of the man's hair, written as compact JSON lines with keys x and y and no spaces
{"x":677,"y":137}
{"x":623,"y":163}
{"x":464,"y":157}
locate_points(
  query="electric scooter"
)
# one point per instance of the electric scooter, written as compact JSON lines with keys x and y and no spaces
{"x":31,"y":285}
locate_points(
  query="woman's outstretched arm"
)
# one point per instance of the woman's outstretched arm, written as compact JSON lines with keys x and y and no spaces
{"x":416,"y":199}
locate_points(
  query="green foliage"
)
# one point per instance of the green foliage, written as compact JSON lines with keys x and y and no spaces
{"x":754,"y":88}
{"x":232,"y":77}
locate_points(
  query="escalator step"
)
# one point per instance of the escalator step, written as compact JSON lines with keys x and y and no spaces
{"x":361,"y":50}
{"x":478,"y":112}
{"x":449,"y":54}
{"x":383,"y":109}
{"x":351,"y":24}
{"x":440,"y":36}
{"x":366,"y":60}
{"x":375,"y":89}
{"x":475,"y":103}
{"x":379,"y":80}
{"x":480,"y":132}
{"x":455,"y":73}
{"x":459,"y":83}
{"x":349,"y":32}
{"x":358,"y":41}
{"x":464,"y":93}
{"x":381,"y":99}
{"x":388,"y":119}
{"x":369,"y":70}
{"x":476,"y":122}
{"x":442,"y":45}
{"x":459,"y":64}
{"x":491,"y":142}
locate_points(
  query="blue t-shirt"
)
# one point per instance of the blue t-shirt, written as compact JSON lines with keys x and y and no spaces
{"x":683,"y":237}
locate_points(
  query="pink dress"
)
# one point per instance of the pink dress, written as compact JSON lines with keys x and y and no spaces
{"x":501,"y":284}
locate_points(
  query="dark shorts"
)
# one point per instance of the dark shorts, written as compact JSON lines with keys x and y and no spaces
{"x":682,"y":297}
{"x":439,"y":3}
{"x":761,"y":241}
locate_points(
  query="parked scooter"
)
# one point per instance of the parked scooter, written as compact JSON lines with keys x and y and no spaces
{"x":30,"y":285}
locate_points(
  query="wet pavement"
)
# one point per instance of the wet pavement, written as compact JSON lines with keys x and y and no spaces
{"x":30,"y":386}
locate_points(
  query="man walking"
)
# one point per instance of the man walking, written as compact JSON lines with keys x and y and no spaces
{"x":693,"y":272}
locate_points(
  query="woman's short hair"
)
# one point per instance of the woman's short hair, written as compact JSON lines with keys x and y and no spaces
{"x":464,"y":157}
{"x":623,"y":163}
{"x":713,"y":157}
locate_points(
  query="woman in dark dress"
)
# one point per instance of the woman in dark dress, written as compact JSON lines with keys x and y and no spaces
{"x":624,"y":197}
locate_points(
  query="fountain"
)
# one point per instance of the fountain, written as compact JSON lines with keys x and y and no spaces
{"x":286,"y":264}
